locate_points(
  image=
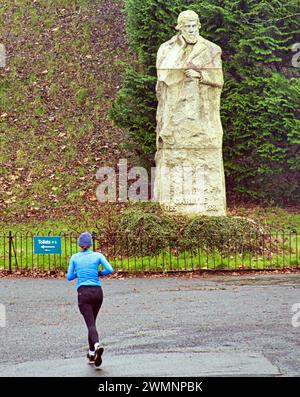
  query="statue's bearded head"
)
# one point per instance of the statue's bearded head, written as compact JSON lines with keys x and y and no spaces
{"x":188,"y":24}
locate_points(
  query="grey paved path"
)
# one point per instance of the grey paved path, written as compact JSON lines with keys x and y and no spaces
{"x":158,"y":326}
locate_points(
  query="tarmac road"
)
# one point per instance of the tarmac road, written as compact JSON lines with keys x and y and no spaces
{"x":225,"y":325}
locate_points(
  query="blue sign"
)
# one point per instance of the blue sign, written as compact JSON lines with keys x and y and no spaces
{"x":47,"y":245}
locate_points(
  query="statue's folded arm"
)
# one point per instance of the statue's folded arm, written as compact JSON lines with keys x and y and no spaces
{"x":212,"y":77}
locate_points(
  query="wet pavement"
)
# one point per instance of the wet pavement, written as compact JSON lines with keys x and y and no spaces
{"x":203,"y":326}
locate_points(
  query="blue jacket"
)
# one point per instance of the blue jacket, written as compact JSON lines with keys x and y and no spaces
{"x":84,"y":266}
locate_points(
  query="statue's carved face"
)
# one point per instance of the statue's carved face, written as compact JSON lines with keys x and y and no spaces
{"x":190,"y":31}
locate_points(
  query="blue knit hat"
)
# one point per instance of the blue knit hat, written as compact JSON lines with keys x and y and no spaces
{"x":85,"y":240}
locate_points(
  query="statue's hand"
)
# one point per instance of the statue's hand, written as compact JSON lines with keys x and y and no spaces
{"x":193,"y":74}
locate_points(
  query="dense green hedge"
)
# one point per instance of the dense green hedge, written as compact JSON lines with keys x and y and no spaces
{"x":142,"y":229}
{"x":223,"y":233}
{"x":260,"y":103}
{"x":144,"y":233}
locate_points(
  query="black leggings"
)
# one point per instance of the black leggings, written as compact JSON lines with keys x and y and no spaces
{"x":89,"y":302}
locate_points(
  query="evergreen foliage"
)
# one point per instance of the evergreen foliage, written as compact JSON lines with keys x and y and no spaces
{"x":146,"y":230}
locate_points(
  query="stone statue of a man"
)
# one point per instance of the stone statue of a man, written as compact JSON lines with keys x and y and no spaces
{"x":189,"y":129}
